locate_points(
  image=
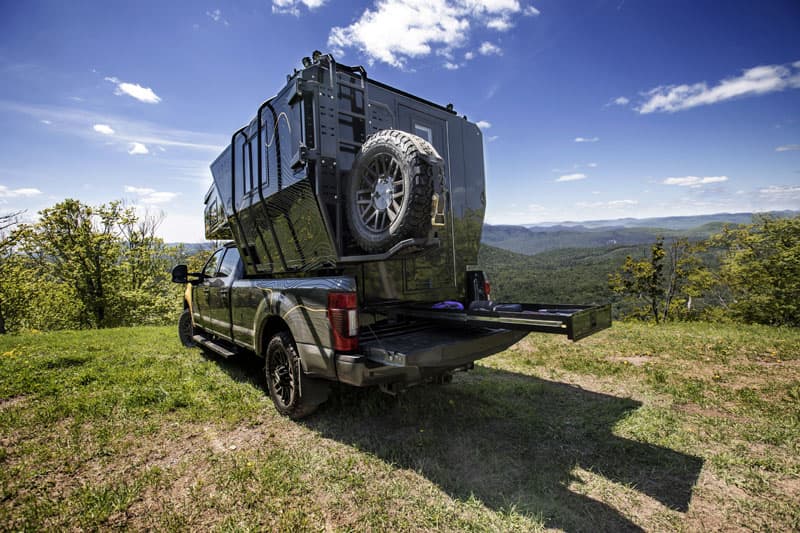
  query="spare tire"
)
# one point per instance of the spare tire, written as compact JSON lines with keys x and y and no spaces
{"x":390,"y":189}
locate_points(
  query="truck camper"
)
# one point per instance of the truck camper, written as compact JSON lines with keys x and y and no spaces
{"x":354,"y":213}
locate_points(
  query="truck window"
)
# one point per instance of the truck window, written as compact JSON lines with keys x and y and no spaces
{"x":423,"y":131}
{"x":210,"y":270}
{"x":228,"y":265}
{"x":247,"y":162}
{"x":250,"y":166}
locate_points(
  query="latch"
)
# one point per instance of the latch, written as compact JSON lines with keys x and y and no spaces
{"x":437,"y":210}
{"x":300,"y":158}
{"x":297,"y":94}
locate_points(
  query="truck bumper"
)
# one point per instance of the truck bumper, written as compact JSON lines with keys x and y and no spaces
{"x":411,"y":357}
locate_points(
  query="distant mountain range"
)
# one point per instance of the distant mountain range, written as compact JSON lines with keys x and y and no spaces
{"x":678,"y":222}
{"x":532,"y":239}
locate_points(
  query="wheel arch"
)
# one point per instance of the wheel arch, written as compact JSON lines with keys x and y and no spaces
{"x":269,"y":326}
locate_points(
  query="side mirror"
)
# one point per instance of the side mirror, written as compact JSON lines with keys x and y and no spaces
{"x":180,"y":274}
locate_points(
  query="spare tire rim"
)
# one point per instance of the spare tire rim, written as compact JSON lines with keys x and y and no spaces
{"x":380,"y":193}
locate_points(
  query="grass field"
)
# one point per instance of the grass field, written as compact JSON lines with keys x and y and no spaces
{"x":680,"y":427}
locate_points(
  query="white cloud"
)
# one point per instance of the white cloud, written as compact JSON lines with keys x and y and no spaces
{"x":762,"y":79}
{"x":401,"y":29}
{"x":781,"y":192}
{"x":788,"y":148}
{"x":150,"y":196}
{"x":134,"y":90}
{"x":292,"y":7}
{"x":500,"y":24}
{"x":694,"y":181}
{"x":105,"y":129}
{"x":492,"y":138}
{"x":469,"y":56}
{"x":137,"y":148}
{"x":394,"y":31}
{"x":451,"y":66}
{"x":46,"y":122}
{"x":483,"y":124}
{"x":591,"y":165}
{"x":79,"y":122}
{"x":573,"y":177}
{"x":620,"y":101}
{"x":586,"y":139}
{"x":139,"y":190}
{"x":613,"y":204}
{"x":24,"y":192}
{"x":216,"y":16}
{"x":531,"y":11}
{"x":488,"y":48}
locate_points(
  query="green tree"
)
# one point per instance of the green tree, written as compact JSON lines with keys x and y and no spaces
{"x":82,"y":266}
{"x":7,"y":221}
{"x":760,"y":271}
{"x":145,"y":294}
{"x":78,"y":245}
{"x":657,"y":280}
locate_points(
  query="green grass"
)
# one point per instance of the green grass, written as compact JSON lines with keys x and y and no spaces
{"x":684,"y":426}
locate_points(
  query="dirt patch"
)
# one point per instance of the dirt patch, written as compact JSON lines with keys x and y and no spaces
{"x":14,"y":401}
{"x":710,"y":412}
{"x":635,"y":360}
{"x":714,"y":505}
{"x":789,"y":486}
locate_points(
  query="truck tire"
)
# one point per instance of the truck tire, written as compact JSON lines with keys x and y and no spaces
{"x":294,"y":394}
{"x":390,"y":189}
{"x":186,"y":329}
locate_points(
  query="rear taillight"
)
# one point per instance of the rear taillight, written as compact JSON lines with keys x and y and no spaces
{"x":487,"y":289}
{"x":343,"y":316}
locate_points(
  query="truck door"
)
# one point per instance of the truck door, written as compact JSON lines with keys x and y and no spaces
{"x":201,"y":290}
{"x":218,"y":317}
{"x":434,"y":271}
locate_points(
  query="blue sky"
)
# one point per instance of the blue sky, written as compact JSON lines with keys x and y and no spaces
{"x":590,"y":110}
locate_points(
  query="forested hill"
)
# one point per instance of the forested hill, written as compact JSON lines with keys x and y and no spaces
{"x":572,"y":275}
{"x":610,"y":234}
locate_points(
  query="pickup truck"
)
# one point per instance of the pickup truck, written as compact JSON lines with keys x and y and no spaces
{"x":354,"y":212}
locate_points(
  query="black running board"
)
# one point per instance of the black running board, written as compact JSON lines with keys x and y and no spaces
{"x":213,"y":346}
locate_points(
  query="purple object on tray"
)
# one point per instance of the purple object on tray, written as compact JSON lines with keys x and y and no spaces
{"x":449,"y":304}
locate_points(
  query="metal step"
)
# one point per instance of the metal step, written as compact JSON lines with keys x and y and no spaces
{"x":213,"y":346}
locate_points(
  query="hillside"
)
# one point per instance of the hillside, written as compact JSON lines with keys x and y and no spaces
{"x":533,"y":241}
{"x":681,"y":427}
{"x":572,"y":275}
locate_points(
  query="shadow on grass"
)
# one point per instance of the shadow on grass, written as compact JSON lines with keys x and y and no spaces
{"x":510,"y":440}
{"x":242,"y":368}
